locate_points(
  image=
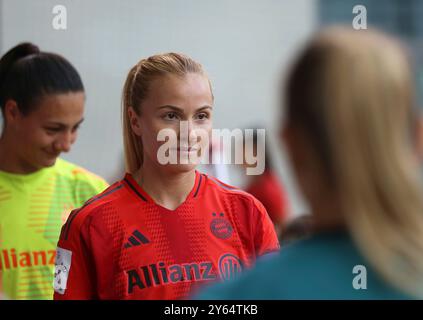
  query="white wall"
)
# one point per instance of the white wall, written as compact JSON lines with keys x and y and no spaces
{"x":243,"y":44}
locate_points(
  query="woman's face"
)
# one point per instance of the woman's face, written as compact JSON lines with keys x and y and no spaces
{"x":43,"y":134}
{"x":175,"y":103}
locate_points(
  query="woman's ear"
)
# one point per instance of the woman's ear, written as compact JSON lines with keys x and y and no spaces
{"x":11,"y":111}
{"x":134,"y":121}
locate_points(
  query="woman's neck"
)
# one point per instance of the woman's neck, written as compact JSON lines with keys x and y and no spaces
{"x":9,"y":162}
{"x":169,"y":190}
{"x":327,"y":214}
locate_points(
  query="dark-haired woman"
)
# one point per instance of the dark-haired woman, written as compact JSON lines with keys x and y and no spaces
{"x":42,"y":104}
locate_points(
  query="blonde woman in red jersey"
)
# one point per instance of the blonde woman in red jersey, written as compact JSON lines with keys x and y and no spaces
{"x":164,"y":229}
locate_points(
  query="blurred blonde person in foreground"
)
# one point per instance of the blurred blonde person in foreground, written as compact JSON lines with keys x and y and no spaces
{"x":352,"y":134}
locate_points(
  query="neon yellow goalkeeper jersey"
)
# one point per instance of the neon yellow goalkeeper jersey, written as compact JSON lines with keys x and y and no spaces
{"x":33,"y":209}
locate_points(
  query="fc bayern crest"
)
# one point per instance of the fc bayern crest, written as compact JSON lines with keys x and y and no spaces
{"x":220,"y":227}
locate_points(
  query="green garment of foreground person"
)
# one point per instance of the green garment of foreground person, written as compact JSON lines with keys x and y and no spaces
{"x":322,"y":266}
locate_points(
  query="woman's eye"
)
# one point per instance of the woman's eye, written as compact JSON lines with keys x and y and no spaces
{"x":53,"y":129}
{"x":202,"y":116}
{"x":170,"y":116}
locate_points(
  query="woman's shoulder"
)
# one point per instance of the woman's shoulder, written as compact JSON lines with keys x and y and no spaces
{"x":70,"y":169}
{"x":222,"y":189}
{"x":79,"y":176}
{"x":109,"y":201}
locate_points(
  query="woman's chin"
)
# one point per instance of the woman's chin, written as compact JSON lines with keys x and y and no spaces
{"x":49,"y":162}
{"x":180,"y":168}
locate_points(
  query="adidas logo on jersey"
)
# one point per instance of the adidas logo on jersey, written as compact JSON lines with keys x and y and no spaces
{"x":136,"y":239}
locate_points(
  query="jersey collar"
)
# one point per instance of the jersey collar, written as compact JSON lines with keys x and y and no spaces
{"x":144,"y":196}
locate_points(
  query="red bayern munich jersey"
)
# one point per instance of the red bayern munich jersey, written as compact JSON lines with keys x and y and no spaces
{"x":122,"y":245}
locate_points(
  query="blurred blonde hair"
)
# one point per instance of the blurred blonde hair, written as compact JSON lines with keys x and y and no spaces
{"x":352,"y":91}
{"x":136,"y":90}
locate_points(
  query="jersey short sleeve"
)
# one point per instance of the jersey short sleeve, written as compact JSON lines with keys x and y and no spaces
{"x":265,"y":237}
{"x":74,"y":276}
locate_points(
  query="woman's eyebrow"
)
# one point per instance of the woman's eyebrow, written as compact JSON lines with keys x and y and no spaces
{"x":204,"y":107}
{"x":63,"y":125}
{"x":171,"y":107}
{"x":182,"y":110}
